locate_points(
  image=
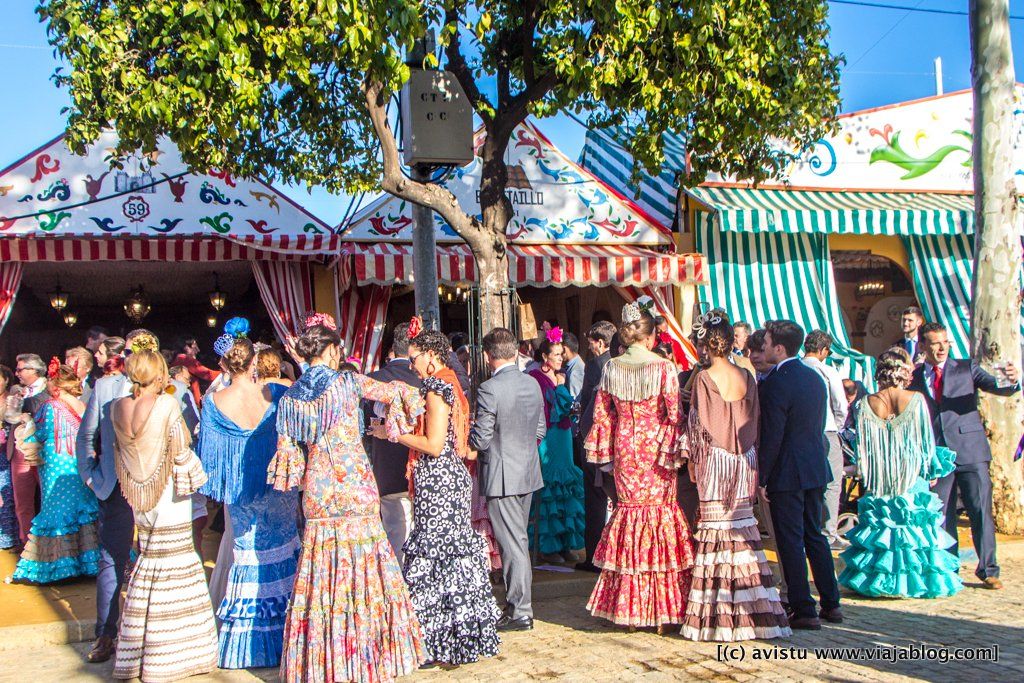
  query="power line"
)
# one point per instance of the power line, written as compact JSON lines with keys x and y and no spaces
{"x":886,"y":34}
{"x":924,"y":10}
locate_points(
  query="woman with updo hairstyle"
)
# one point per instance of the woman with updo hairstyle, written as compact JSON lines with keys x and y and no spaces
{"x":167,"y":628}
{"x":558,"y":518}
{"x":645,"y":553}
{"x":732,"y":595}
{"x":268,"y":367}
{"x":110,"y":356}
{"x":446,"y":562}
{"x":237,"y":440}
{"x":62,"y":542}
{"x":898,"y":547}
{"x":320,"y":449}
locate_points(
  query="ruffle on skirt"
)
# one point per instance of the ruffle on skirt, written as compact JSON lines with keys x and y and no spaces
{"x":898,"y":548}
{"x":558,"y":511}
{"x":453,"y":599}
{"x":732,"y":594}
{"x":351,"y":618}
{"x":57,"y":553}
{"x":646,"y":556}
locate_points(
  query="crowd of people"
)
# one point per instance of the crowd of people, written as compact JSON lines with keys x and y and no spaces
{"x":366,"y":517}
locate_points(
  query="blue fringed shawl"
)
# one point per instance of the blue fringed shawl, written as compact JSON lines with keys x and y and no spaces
{"x":315,"y":404}
{"x":236,"y":459}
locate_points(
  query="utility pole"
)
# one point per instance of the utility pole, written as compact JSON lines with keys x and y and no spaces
{"x":995,"y":295}
{"x":424,"y":261}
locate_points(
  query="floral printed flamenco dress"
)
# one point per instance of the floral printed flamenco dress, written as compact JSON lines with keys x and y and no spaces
{"x":733,"y":595}
{"x":645,"y":553}
{"x":446,"y":561}
{"x":558,"y":507}
{"x":351,"y":618}
{"x":265,"y":536}
{"x":62,"y":542}
{"x":898,"y":546}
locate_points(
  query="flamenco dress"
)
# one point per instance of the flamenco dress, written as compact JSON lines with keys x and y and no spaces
{"x":8,"y":520}
{"x":898,"y":547}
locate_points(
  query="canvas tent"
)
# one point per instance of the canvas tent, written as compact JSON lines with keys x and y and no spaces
{"x":569,"y":229}
{"x":57,"y":207}
{"x":901,"y":172}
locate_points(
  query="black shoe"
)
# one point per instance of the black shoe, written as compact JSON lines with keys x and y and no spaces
{"x":805,"y":624}
{"x":507,"y":623}
{"x":832,"y":616}
{"x":588,"y":567}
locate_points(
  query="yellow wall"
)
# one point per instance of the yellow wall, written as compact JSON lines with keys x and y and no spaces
{"x":324,"y":300}
{"x":883,"y":245}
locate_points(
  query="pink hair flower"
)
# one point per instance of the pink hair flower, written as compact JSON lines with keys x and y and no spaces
{"x":554,"y":335}
{"x":324,"y":319}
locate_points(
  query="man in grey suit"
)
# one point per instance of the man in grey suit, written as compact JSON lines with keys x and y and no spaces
{"x":509,"y":425}
{"x":116,"y":522}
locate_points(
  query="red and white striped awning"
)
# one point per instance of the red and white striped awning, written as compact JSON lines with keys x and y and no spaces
{"x":227,"y":248}
{"x":533,"y":265}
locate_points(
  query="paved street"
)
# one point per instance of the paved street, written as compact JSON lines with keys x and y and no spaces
{"x":569,"y":645}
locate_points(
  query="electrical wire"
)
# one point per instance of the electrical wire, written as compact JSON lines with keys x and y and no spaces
{"x":885,"y":35}
{"x":923,"y":10}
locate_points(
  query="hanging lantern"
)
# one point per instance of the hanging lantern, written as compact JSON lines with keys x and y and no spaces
{"x":137,"y":306}
{"x":70,"y":318}
{"x":58,"y":299}
{"x":211,"y":320}
{"x":217,"y":298}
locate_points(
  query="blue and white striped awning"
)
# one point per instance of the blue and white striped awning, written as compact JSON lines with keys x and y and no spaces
{"x":905,"y":214}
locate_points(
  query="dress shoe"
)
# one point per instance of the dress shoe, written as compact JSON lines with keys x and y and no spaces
{"x":839,"y":543}
{"x":805,"y":624}
{"x":588,"y":567}
{"x":832,"y":616}
{"x":992,"y":583}
{"x":102,"y":650}
{"x":507,"y":623}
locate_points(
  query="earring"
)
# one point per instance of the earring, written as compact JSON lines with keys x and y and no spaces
{"x":431,"y":368}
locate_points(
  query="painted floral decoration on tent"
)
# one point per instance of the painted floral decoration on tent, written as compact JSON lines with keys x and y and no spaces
{"x":237,"y":328}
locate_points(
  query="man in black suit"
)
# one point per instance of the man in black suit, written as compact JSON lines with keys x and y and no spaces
{"x":951,"y":389}
{"x":389,"y":459}
{"x":793,"y":473}
{"x":595,"y":499}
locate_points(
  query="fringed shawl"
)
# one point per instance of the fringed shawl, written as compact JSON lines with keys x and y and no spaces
{"x":315,"y":403}
{"x":892,"y":454}
{"x":146,"y":461}
{"x":236,"y":459}
{"x":636,"y":375}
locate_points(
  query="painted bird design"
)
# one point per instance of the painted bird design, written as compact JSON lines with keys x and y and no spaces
{"x":380,"y":227}
{"x":524,"y":139}
{"x":4,"y":189}
{"x":271,"y":199}
{"x":260,"y":226}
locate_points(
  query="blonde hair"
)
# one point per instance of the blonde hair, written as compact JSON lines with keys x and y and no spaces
{"x":637,"y":330}
{"x":144,"y":369}
{"x":65,"y":379}
{"x":268,"y":364}
{"x":83,"y":357}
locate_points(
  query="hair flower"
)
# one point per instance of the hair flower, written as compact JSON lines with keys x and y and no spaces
{"x":313,"y":318}
{"x":415,"y":327}
{"x":554,"y":335}
{"x":143,"y":342}
{"x":237,"y":328}
{"x":51,"y":370}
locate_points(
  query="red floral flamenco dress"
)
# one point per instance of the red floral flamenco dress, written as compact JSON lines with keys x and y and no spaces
{"x":645,"y":553}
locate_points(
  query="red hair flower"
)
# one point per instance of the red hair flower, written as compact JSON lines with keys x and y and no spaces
{"x":54,"y":366}
{"x":415,"y":327}
{"x":554,"y":335}
{"x":324,"y":319}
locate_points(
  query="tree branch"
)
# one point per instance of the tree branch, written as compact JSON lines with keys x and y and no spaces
{"x":530,"y":16}
{"x":456,"y":63}
{"x":519,"y":106}
{"x":435,"y":197}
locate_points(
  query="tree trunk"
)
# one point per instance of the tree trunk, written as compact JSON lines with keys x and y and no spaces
{"x":493,"y":281}
{"x":995,"y":319}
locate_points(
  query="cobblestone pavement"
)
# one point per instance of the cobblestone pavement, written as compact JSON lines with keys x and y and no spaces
{"x":567,"y":644}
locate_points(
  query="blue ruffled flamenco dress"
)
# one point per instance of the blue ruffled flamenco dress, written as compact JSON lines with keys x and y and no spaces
{"x":898,"y":548}
{"x":252,"y":614}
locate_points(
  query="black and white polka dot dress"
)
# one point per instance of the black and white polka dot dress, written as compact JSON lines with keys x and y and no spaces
{"x":446,"y":561}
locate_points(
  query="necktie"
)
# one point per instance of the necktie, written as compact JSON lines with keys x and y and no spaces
{"x":937,"y":383}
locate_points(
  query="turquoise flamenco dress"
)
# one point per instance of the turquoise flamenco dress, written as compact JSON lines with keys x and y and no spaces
{"x":558,"y":512}
{"x":898,"y":548}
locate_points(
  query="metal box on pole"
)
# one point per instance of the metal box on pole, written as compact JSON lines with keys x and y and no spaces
{"x":437,"y":120}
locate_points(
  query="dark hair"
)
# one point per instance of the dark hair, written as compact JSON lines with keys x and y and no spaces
{"x":928,"y":328}
{"x":570,"y":342}
{"x":314,"y":341}
{"x":718,"y":338}
{"x":664,"y":350}
{"x":458,"y":339}
{"x":95,"y":331}
{"x":614,"y":345}
{"x":894,"y":368}
{"x":435,"y":341}
{"x":544,"y":350}
{"x":113,"y":346}
{"x":914,"y":310}
{"x":500,"y":344}
{"x":348,"y":366}
{"x":400,"y":340}
{"x":787,"y":334}
{"x":181,"y":341}
{"x":8,"y":377}
{"x":239,"y":357}
{"x":755,"y":342}
{"x":602,"y":331}
{"x":817,"y":340}
{"x":659,"y":320}
{"x":631,"y":333}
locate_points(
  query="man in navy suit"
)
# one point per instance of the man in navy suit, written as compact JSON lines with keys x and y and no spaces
{"x":951,"y":388}
{"x":793,"y":472}
{"x":911,"y":322}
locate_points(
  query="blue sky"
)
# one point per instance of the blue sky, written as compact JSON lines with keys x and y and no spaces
{"x":889,"y":55}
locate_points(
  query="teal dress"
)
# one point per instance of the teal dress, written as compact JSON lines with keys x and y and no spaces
{"x":898,"y":548}
{"x":558,"y":512}
{"x":62,"y":543}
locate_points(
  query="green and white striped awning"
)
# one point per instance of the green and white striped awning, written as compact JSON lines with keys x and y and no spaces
{"x":903,"y":214}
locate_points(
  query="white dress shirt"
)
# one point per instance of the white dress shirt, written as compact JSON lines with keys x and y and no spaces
{"x":835,"y":417}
